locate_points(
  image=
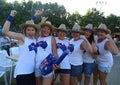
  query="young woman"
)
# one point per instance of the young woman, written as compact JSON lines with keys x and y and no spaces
{"x":48,"y":45}
{"x":106,"y":48}
{"x":77,"y":45}
{"x":24,"y":70}
{"x":62,"y":45}
{"x":88,"y":59}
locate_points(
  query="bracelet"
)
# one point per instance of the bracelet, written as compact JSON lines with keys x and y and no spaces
{"x":10,"y":18}
{"x":34,"y":18}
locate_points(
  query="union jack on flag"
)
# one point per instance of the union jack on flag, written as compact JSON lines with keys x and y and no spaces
{"x":32,"y":46}
{"x":44,"y":63}
{"x":58,"y":45}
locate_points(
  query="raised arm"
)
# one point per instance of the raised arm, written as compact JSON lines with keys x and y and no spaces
{"x":43,"y":19}
{"x":37,"y":13}
{"x":111,"y":46}
{"x":86,"y":45}
{"x":6,"y":27}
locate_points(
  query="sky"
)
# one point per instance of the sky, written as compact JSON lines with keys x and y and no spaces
{"x":82,"y":6}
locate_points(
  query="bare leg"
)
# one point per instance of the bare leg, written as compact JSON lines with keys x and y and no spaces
{"x":38,"y":80}
{"x":80,"y":79}
{"x":87,"y":80}
{"x":73,"y":81}
{"x":47,"y":81}
{"x":65,"y":78}
{"x":102,"y":77}
{"x":95,"y":76}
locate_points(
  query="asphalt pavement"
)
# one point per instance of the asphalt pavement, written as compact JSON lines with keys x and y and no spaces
{"x":113,"y":77}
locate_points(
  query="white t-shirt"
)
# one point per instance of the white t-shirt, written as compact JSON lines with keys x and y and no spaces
{"x":65,"y":64}
{"x":26,"y":61}
{"x":76,"y":56}
{"x":87,"y":58}
{"x":43,"y":53}
{"x":105,"y":57}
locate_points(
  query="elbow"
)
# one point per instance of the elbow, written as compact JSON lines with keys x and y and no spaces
{"x":4,"y":32}
{"x":115,"y":52}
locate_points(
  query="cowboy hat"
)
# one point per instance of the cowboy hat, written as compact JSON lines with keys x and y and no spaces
{"x":104,"y":28}
{"x":88,"y":27}
{"x":76,"y":28}
{"x":62,"y":27}
{"x":47,"y":23}
{"x":28,"y":23}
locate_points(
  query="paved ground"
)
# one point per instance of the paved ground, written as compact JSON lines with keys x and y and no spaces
{"x":113,"y":77}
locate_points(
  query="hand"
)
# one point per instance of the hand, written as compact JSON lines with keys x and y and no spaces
{"x":83,"y":37}
{"x":38,"y":12}
{"x":55,"y":66}
{"x":108,"y":36}
{"x":13,"y":13}
{"x":43,"y":19}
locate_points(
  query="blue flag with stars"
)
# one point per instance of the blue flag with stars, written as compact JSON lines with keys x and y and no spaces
{"x":32,"y":46}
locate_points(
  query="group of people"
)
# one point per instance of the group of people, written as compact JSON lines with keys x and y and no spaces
{"x":88,"y":53}
{"x":6,"y":43}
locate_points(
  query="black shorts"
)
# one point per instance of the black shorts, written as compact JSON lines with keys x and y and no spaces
{"x":64,"y":71}
{"x":26,"y":79}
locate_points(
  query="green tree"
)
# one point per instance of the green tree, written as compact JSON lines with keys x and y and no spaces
{"x":55,"y":13}
{"x":74,"y":18}
{"x":112,"y":22}
{"x":93,"y":16}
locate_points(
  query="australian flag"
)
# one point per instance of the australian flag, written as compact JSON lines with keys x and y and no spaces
{"x":32,"y":46}
{"x":71,"y":47}
{"x":42,"y":44}
{"x":47,"y":63}
{"x":61,"y":46}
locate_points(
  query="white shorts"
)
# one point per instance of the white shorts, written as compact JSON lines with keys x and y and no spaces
{"x":38,"y":73}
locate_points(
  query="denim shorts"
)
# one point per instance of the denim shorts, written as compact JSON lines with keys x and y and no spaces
{"x":88,"y":68}
{"x":76,"y":70}
{"x":104,"y":69}
{"x":38,"y":74}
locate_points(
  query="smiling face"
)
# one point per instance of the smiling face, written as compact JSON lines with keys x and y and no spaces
{"x":61,"y":34}
{"x":88,"y":33}
{"x":76,"y":35}
{"x":30,"y":31}
{"x":45,"y":31}
{"x":101,"y":34}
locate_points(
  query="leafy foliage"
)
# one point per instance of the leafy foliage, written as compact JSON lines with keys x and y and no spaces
{"x":56,"y":13}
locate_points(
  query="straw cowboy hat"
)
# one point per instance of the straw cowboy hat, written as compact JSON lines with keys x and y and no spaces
{"x":88,"y":27}
{"x":27,"y":24}
{"x":103,"y":27}
{"x":47,"y":23}
{"x":62,"y":27}
{"x":76,"y":28}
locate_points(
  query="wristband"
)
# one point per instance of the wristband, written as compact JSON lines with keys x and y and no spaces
{"x":34,"y":17}
{"x":10,"y":18}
